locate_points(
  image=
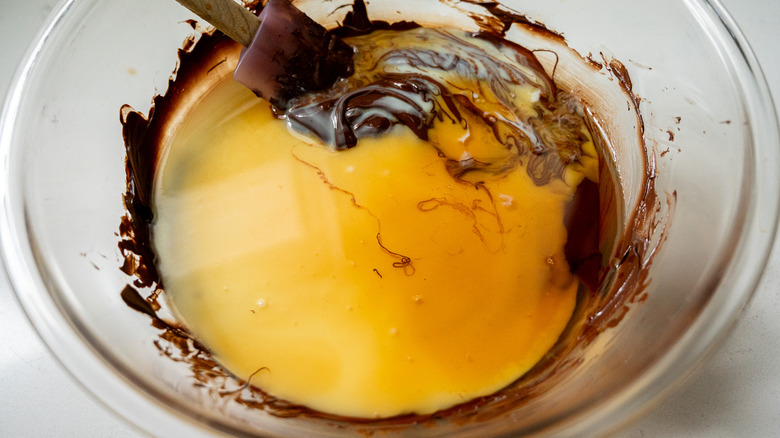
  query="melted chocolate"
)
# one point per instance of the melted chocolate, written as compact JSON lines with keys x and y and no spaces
{"x":607,"y":289}
{"x":374,"y":103}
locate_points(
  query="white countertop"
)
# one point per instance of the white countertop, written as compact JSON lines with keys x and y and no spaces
{"x":736,"y":393}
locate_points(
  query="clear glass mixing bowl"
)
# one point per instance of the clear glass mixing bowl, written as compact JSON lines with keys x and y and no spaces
{"x":710,"y":129}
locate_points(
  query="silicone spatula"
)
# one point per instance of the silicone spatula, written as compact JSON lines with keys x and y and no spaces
{"x":285,"y":53}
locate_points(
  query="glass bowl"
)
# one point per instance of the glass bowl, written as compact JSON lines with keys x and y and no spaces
{"x":711,"y":144}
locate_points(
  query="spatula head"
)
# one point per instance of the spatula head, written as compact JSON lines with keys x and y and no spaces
{"x":290,"y":55}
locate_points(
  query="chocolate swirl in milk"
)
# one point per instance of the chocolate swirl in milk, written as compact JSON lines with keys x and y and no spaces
{"x":403,"y":87}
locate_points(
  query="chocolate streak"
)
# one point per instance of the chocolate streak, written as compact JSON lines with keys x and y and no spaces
{"x":370,"y":107}
{"x":606,"y":291}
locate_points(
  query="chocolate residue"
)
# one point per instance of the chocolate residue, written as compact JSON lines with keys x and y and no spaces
{"x":135,"y":301}
{"x":607,"y":288}
{"x":356,"y":23}
{"x":619,"y":70}
{"x":597,"y":65}
{"x":498,"y":19}
{"x":143,"y":136}
{"x":583,"y":227}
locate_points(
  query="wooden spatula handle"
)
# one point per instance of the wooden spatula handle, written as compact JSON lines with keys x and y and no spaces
{"x":231,"y":18}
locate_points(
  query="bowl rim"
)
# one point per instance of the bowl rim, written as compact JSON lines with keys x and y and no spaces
{"x":115,"y":391}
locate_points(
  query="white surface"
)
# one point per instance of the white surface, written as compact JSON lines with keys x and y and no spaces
{"x":735,"y":393}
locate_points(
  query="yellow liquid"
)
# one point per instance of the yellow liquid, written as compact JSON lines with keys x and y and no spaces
{"x":366,"y":282}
